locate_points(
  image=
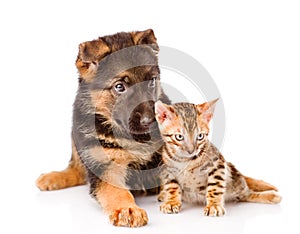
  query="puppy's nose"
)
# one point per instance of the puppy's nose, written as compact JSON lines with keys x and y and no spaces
{"x":146,"y":120}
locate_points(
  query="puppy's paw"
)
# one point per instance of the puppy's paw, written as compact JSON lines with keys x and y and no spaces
{"x":129,"y":217}
{"x":51,"y":181}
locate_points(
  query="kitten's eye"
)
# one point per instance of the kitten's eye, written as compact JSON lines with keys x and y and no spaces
{"x":200,"y":137}
{"x":120,"y":88}
{"x":152,"y":82}
{"x":179,"y":137}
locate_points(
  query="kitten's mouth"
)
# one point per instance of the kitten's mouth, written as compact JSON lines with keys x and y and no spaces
{"x":194,"y":157}
{"x":186,"y":159}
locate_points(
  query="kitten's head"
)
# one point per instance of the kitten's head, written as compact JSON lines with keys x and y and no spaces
{"x":184,"y":127}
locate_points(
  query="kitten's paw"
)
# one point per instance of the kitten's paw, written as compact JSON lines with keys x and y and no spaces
{"x":214,"y":210}
{"x":170,"y":207}
{"x":129,"y":217}
{"x":276,"y":199}
{"x":271,"y":197}
{"x":161,"y":196}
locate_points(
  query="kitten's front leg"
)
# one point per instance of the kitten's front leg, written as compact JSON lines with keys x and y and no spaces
{"x":216,"y":191}
{"x":171,"y":197}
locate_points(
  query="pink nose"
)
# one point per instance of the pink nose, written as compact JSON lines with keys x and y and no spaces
{"x":190,"y":149}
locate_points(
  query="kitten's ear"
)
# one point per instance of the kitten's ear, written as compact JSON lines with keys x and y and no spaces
{"x":206,"y":110}
{"x":163,"y":112}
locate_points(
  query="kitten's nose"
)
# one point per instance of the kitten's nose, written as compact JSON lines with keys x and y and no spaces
{"x":190,"y":149}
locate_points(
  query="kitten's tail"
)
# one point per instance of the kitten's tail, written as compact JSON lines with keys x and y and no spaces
{"x":261,"y":191}
{"x":259,"y":185}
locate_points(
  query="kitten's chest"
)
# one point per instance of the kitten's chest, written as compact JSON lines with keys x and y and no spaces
{"x":191,"y":180}
{"x":193,"y":183}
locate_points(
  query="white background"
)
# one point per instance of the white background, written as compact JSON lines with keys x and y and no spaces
{"x":250,"y":48}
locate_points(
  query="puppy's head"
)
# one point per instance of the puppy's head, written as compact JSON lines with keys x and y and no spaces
{"x":122,"y":76}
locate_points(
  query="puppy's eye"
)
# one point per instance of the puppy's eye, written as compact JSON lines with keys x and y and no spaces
{"x":179,"y":137}
{"x":152,"y":82}
{"x":200,"y":137}
{"x":120,"y":88}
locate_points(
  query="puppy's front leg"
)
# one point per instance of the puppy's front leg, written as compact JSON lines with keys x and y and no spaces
{"x":119,"y":204}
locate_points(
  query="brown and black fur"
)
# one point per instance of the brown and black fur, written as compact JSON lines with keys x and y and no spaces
{"x":114,"y":140}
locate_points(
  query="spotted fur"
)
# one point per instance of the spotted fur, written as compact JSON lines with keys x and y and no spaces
{"x":194,"y":169}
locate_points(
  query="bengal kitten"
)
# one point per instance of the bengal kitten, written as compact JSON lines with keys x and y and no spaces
{"x":194,"y":169}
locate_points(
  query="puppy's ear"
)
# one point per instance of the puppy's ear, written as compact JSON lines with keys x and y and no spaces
{"x":144,"y":38}
{"x":89,"y":55}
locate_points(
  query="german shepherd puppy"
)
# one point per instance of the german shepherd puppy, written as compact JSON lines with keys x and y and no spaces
{"x":115,"y":139}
